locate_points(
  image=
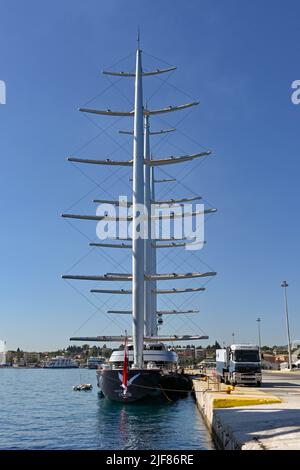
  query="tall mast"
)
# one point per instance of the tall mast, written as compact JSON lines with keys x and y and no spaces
{"x":153,"y":266}
{"x":143,"y":276}
{"x":137,"y":203}
{"x":148,"y":241}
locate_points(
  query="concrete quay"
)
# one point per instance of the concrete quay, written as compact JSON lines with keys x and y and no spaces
{"x":249,"y":418}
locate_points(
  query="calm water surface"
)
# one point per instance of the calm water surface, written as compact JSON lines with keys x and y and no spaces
{"x":39,"y":410}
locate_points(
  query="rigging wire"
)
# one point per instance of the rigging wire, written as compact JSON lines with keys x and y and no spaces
{"x":98,"y":308}
{"x":169,"y":298}
{"x":119,"y":79}
{"x":111,"y":260}
{"x":104,"y":131}
{"x":180,"y":90}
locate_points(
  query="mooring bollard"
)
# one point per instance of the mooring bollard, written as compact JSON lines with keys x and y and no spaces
{"x":215,"y":381}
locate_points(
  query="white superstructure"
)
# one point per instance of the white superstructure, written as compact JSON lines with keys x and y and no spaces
{"x":155,"y":355}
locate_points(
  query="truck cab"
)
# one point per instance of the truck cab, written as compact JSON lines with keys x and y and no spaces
{"x":239,"y":364}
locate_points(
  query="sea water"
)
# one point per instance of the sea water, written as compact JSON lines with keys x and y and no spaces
{"x":39,"y":410}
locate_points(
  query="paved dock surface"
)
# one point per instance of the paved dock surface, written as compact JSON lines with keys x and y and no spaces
{"x":285,"y":384}
{"x":264,"y":426}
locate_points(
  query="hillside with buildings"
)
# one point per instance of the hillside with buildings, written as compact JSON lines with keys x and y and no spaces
{"x":189,"y":355}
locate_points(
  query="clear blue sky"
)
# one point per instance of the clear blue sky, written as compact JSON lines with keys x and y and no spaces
{"x":239,"y":59}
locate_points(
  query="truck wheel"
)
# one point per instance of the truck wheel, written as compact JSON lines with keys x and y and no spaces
{"x":232,"y":382}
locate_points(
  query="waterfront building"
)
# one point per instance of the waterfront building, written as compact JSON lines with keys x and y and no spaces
{"x":282,"y":358}
{"x":31,"y":358}
{"x":199,"y":354}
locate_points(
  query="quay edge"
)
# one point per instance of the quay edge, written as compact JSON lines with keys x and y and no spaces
{"x":226,"y":433}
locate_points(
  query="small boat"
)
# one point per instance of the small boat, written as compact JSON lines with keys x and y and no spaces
{"x":84,"y":387}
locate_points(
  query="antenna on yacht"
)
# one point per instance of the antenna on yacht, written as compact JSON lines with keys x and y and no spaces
{"x":138,"y":37}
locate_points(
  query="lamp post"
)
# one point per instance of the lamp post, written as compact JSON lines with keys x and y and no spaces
{"x":285,"y":285}
{"x":259,"y":337}
{"x":232,"y":338}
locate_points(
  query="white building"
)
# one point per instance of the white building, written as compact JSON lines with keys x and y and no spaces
{"x":2,"y":352}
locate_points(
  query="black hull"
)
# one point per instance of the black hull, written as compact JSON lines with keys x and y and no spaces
{"x":142,"y":384}
{"x":175,"y":386}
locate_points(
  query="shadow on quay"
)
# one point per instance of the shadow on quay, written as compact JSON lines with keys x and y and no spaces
{"x":281,"y":385}
{"x":258,"y":424}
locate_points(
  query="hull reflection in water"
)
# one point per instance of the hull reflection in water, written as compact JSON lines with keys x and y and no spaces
{"x":153,"y":424}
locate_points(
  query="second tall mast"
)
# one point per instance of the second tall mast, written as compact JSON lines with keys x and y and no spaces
{"x":138,"y":204}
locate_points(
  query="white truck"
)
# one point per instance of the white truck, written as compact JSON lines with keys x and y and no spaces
{"x":239,"y":364}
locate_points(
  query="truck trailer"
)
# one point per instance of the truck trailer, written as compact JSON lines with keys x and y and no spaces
{"x":239,"y":364}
